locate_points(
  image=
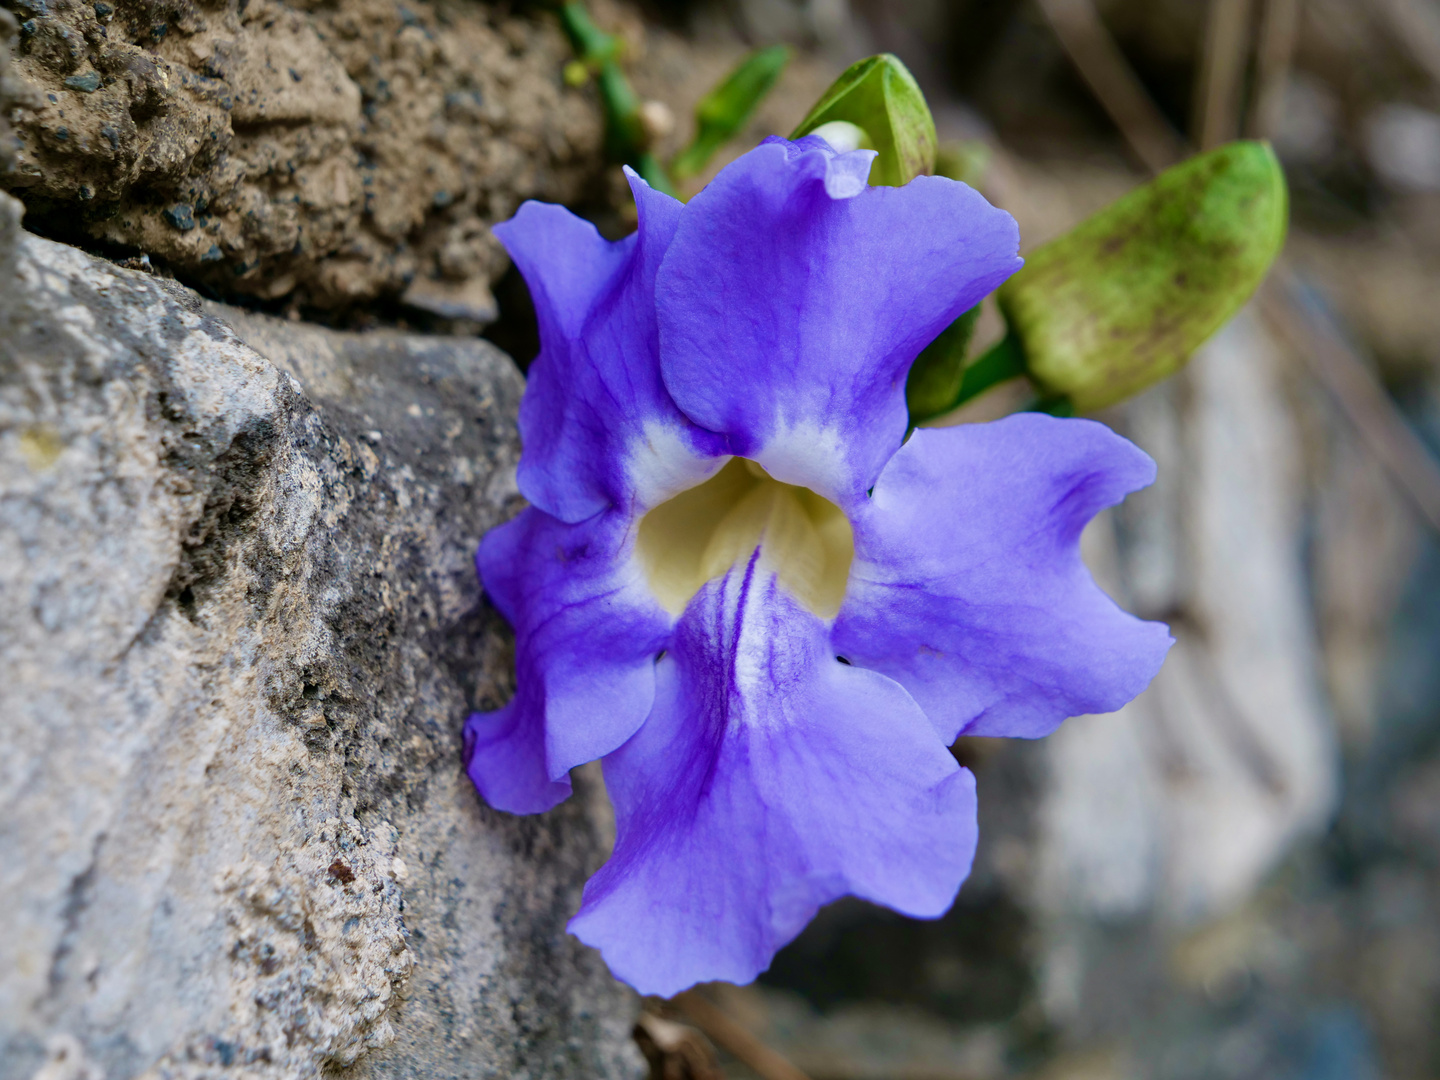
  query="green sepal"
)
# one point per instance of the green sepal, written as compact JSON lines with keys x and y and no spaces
{"x":1062,"y":407}
{"x":880,"y":95}
{"x":725,"y":110}
{"x":1123,"y":300}
{"x":933,"y":386}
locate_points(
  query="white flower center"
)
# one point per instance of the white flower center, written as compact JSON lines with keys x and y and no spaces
{"x":804,"y":539}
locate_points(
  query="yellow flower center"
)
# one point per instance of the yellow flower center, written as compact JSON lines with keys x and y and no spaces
{"x":804,"y":539}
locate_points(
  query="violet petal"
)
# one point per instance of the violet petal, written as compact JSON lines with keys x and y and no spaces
{"x":768,"y":780}
{"x":968,"y":588}
{"x":586,"y":634}
{"x":595,"y":412}
{"x":789,"y":316}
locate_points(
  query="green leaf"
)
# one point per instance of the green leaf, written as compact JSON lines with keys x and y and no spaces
{"x":933,"y":386}
{"x":725,"y":110}
{"x":1122,"y":301}
{"x":879,"y":95}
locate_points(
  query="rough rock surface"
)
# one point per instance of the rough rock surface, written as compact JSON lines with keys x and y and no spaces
{"x":239,"y":631}
{"x":335,"y":151}
{"x":8,"y":29}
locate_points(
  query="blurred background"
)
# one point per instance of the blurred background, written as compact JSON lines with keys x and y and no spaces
{"x":1237,"y":876}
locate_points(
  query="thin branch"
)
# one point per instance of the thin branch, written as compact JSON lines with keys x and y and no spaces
{"x":725,"y":1032}
{"x":1222,"y":67}
{"x":1415,"y":26}
{"x":1104,"y":68}
{"x":1235,"y":724}
{"x":1279,"y":23}
{"x":1356,"y":390}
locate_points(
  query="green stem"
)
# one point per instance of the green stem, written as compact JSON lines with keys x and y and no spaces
{"x":696,"y":156}
{"x":622,"y":108}
{"x":1002,"y":361}
{"x":624,"y":133}
{"x":592,"y":45}
{"x":1056,"y":406}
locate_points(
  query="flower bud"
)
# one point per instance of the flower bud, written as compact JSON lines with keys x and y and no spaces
{"x":881,"y":97}
{"x":1121,"y":301}
{"x":657,"y":120}
{"x":843,"y":136}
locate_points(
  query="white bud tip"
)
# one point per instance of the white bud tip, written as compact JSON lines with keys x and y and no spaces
{"x":842,"y":135}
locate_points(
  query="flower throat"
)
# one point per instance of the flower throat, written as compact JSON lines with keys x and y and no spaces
{"x":804,"y":539}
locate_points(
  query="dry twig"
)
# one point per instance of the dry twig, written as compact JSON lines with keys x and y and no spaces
{"x":1217,"y":96}
{"x":1356,"y":391}
{"x":1330,"y":358}
{"x":725,"y":1032}
{"x":675,"y":1051}
{"x":1103,"y":67}
{"x":1279,"y":24}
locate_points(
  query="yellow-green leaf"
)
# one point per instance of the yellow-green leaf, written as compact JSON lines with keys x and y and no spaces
{"x":880,"y":96}
{"x":1121,"y":301}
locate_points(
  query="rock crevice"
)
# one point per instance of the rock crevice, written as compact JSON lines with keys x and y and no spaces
{"x":239,"y":632}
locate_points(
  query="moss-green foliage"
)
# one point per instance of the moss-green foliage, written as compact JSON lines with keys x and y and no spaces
{"x":1121,"y":302}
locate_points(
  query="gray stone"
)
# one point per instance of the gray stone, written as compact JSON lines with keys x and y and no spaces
{"x":1178,"y":806}
{"x":239,"y":632}
{"x":8,"y":29}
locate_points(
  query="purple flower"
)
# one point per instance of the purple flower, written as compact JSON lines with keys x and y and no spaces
{"x":743,"y":588}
